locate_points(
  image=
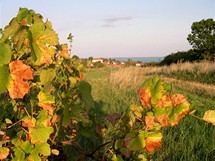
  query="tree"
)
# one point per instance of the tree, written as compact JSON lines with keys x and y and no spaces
{"x":202,"y":38}
{"x":75,"y":57}
{"x":90,"y":58}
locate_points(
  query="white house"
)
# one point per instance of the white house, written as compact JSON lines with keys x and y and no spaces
{"x":97,"y":60}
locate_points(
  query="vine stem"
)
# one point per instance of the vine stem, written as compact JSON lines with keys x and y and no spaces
{"x":197,"y":117}
{"x":14,"y":124}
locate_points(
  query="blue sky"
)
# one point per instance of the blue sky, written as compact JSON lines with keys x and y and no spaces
{"x":118,"y":28}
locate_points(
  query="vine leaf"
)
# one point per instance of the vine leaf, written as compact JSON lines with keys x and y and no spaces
{"x":153,"y":141}
{"x":117,"y":158}
{"x":145,"y":96}
{"x":40,"y":134}
{"x":4,"y":152}
{"x":181,"y":107}
{"x":46,"y":102}
{"x":113,"y":118}
{"x":10,"y":30}
{"x":138,"y":143}
{"x":43,"y":43}
{"x":169,"y":110}
{"x":46,"y":78}
{"x":18,"y":71}
{"x":42,"y":149}
{"x":4,"y":78}
{"x":19,"y":154}
{"x":65,"y":51}
{"x":85,"y":92}
{"x":209,"y":116}
{"x":149,"y":120}
{"x":5,"y":54}
{"x":24,"y":17}
{"x":28,"y":122}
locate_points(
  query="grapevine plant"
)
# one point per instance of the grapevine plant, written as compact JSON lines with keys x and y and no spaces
{"x":47,"y":111}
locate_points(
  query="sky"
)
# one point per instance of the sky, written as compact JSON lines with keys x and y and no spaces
{"x":118,"y":28}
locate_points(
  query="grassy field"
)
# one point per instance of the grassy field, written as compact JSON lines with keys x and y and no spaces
{"x":192,"y":140}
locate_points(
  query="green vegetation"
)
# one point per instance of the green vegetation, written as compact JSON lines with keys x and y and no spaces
{"x":191,"y":140}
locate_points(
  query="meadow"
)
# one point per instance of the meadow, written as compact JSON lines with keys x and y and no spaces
{"x":115,"y":89}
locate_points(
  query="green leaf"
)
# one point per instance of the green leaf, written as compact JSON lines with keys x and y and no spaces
{"x":5,"y":54}
{"x":19,"y":40}
{"x":10,"y":30}
{"x":157,"y":92}
{"x":66,"y":116}
{"x":40,"y":134}
{"x":138,"y":143}
{"x":27,"y":147}
{"x":19,"y":155}
{"x":178,"y":112}
{"x":42,"y":118}
{"x":46,"y":78}
{"x":85,"y":91}
{"x":42,"y":149}
{"x":24,"y":15}
{"x":43,"y":42}
{"x":4,"y":78}
{"x":118,"y":143}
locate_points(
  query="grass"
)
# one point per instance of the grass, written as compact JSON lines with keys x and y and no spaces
{"x":191,"y":140}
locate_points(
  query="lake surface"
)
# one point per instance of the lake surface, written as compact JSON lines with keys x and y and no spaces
{"x":141,"y":59}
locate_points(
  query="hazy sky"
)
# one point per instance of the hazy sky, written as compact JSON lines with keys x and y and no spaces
{"x":118,"y":28}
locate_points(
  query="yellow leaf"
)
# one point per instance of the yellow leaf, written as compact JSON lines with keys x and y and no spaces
{"x":209,"y":116}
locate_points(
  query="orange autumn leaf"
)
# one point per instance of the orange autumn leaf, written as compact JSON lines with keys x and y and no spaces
{"x":47,"y":106}
{"x":145,"y":96}
{"x":4,"y":152}
{"x":163,"y":120}
{"x":81,"y":77}
{"x":54,"y":119}
{"x":164,"y":101}
{"x":153,"y":141}
{"x":28,"y":122}
{"x":65,"y":51}
{"x":149,"y":120}
{"x":19,"y":72}
{"x":181,"y":107}
{"x":178,"y":99}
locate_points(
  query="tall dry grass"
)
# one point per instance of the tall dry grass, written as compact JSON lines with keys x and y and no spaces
{"x":197,"y":68}
{"x":133,"y":77}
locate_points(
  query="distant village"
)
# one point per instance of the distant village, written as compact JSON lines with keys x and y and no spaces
{"x":115,"y":62}
{"x":101,"y":62}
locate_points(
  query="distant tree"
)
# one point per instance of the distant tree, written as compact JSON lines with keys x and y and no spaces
{"x":202,"y":38}
{"x":181,"y":57}
{"x":90,"y":58}
{"x":75,"y":57}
